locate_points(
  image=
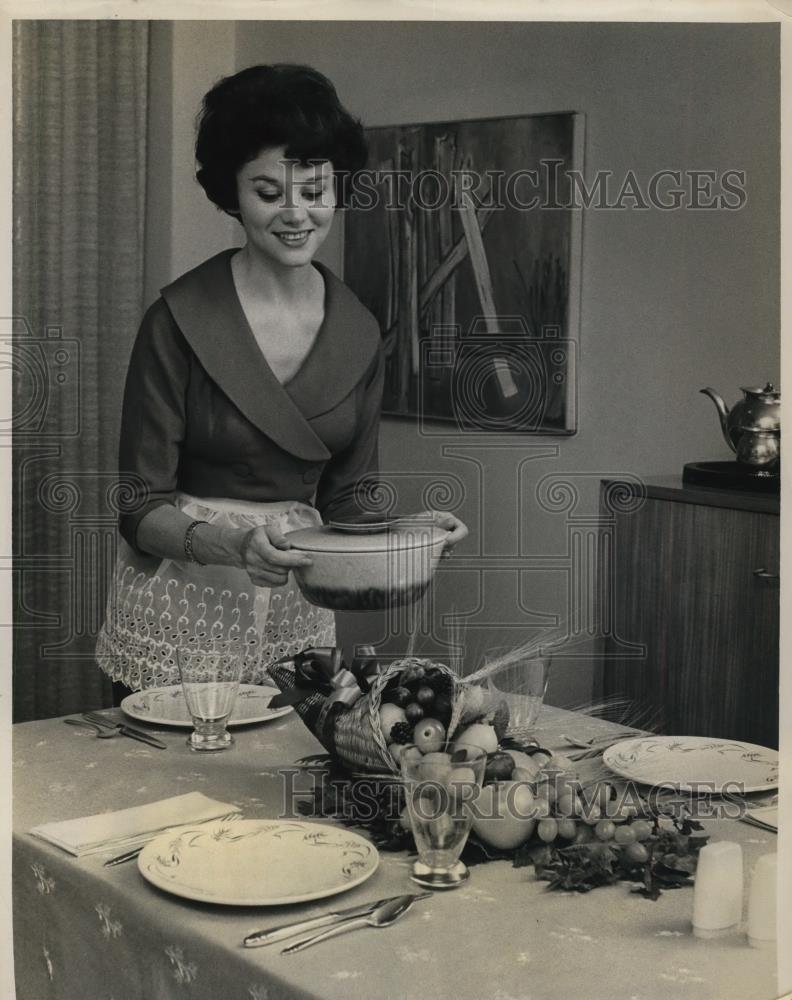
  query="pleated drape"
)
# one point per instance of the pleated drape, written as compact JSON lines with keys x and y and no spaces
{"x":79,"y":204}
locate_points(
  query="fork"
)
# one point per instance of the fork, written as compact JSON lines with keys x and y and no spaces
{"x":99,"y":731}
{"x":597,"y":740}
{"x":119,"y":859}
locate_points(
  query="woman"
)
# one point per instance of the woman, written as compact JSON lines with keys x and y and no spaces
{"x":256,"y":378}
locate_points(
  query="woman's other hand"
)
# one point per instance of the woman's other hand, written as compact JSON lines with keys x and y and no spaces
{"x":267,"y":556}
{"x":457,"y":530}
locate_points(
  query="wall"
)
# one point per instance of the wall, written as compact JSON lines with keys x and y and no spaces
{"x":182,"y":227}
{"x":670,"y":301}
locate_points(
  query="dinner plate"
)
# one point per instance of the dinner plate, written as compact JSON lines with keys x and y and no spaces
{"x":257,"y":862}
{"x":166,"y":706}
{"x":695,"y":763}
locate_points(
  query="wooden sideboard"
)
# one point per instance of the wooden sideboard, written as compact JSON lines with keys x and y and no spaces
{"x":692,"y":577}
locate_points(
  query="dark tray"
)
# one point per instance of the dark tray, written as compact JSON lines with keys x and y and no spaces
{"x":730,"y":476}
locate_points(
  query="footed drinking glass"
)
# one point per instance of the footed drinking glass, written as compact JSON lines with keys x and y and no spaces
{"x":210,"y":680}
{"x":441,"y":789}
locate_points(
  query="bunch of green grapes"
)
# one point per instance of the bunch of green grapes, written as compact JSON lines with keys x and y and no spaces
{"x":566,"y":819}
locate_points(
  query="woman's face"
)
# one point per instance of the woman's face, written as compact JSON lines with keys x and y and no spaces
{"x":286,"y":207}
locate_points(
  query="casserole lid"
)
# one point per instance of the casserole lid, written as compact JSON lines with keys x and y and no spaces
{"x":403,"y":534}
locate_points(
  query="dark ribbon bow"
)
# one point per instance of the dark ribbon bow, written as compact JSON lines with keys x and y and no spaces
{"x":321,"y":670}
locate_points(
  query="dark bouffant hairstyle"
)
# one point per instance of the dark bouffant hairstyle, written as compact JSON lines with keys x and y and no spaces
{"x":268,"y":106}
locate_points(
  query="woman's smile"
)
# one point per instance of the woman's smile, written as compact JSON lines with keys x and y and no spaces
{"x":286,"y":207}
{"x":294,"y":239}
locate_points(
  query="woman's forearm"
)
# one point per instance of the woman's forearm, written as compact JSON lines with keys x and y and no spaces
{"x":161,"y":533}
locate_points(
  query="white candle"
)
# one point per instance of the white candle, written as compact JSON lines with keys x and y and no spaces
{"x":718,"y":890}
{"x":762,"y":903}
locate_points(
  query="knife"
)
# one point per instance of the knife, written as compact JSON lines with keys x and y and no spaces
{"x":283,"y":931}
{"x":135,"y":734}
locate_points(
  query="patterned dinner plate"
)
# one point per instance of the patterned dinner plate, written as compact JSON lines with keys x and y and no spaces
{"x":166,"y":706}
{"x":254,"y":862}
{"x":695,"y":763}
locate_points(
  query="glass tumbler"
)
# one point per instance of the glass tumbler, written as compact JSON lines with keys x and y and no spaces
{"x":210,"y":680}
{"x":441,"y":789}
{"x":522,"y":685}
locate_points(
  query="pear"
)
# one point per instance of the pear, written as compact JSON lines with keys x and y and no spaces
{"x":479,"y":735}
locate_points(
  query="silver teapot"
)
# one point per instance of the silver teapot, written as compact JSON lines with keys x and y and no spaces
{"x":752,"y":427}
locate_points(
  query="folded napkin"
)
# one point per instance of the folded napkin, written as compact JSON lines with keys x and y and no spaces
{"x":129,"y":828}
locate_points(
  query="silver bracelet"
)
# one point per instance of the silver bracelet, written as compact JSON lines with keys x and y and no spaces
{"x":188,"y":542}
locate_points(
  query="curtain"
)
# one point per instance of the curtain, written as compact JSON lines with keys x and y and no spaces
{"x":79,"y":201}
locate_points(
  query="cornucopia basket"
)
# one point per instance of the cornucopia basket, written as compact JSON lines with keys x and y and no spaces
{"x":348,"y":729}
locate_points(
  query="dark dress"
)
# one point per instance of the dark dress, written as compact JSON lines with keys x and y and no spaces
{"x":205,"y":417}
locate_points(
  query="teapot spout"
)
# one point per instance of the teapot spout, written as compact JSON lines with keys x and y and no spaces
{"x":723,"y":413}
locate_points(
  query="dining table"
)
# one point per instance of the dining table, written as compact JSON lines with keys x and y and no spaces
{"x":82,"y":930}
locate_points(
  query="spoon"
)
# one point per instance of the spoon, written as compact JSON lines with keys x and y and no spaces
{"x":100,"y":733}
{"x":383,"y":916}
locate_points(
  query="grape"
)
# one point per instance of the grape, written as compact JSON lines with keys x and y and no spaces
{"x":567,"y":828}
{"x":568,"y":804}
{"x":541,"y":807}
{"x":584,"y":835}
{"x":621,"y":811}
{"x":592,"y":814}
{"x":642,"y":829}
{"x":602,"y":794}
{"x":625,"y":835}
{"x":547,"y":830}
{"x":605,"y":829}
{"x":637,"y":853}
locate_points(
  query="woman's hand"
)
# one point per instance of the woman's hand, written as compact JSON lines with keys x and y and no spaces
{"x":267,"y":556}
{"x":457,"y":530}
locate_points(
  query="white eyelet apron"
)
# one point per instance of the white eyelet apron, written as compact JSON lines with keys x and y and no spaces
{"x":155,"y":605}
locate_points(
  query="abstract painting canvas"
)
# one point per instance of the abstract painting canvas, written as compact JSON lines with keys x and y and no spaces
{"x":463,"y":240}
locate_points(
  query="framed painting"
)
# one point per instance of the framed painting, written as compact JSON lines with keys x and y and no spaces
{"x":463,"y":239}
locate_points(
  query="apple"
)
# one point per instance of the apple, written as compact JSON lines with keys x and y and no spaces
{"x":525,"y":762}
{"x":429,"y":735}
{"x":500,"y":814}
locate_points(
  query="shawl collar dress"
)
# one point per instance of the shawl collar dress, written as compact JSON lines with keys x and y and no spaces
{"x":207,"y":427}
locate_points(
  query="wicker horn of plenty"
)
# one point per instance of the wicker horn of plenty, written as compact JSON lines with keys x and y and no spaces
{"x":359,"y":740}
